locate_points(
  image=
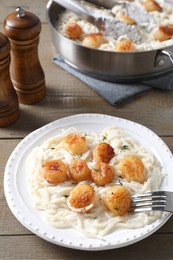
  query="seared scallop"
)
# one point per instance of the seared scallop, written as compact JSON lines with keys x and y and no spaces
{"x":79,"y":170}
{"x":75,"y":144}
{"x":54,"y":171}
{"x":151,"y":6}
{"x":82,"y":196}
{"x":126,"y":19}
{"x":93,"y":40}
{"x":73,"y":30}
{"x":163,"y":33}
{"x":132,"y":169}
{"x":125,"y":46}
{"x":117,"y":200}
{"x":102,"y":173}
{"x":103,"y":152}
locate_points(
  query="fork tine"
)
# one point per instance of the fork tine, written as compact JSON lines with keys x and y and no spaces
{"x":149,"y":206}
{"x":150,"y":194}
{"x":143,"y":199}
{"x":157,"y":200}
{"x":149,"y":201}
{"x":144,"y":209}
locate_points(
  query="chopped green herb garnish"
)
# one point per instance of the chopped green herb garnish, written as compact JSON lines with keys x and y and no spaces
{"x":97,"y":170}
{"x":66,"y":196}
{"x":120,"y":183}
{"x":124,"y":147}
{"x":104,"y":138}
{"x":116,"y":208}
{"x":52,"y":148}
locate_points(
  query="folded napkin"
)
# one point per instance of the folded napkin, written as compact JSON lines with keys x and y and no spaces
{"x":115,"y":93}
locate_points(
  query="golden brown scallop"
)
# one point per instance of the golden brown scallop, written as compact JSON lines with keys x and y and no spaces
{"x":82,"y":196}
{"x":132,"y":169}
{"x":117,"y":200}
{"x":102,"y":173}
{"x":73,"y":30}
{"x":55,"y":171}
{"x":93,"y":40}
{"x":126,"y":19}
{"x":79,"y":170}
{"x":151,"y":5}
{"x":103,"y":152}
{"x":163,"y":33}
{"x":125,"y":46}
{"x":75,"y":144}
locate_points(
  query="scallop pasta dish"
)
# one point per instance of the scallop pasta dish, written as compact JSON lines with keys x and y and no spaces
{"x":85,"y":181}
{"x":141,"y":25}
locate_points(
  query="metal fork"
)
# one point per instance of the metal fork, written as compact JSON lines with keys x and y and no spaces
{"x":157,"y":200}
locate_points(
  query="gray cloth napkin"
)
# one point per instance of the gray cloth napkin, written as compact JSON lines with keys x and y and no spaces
{"x":116,"y":93}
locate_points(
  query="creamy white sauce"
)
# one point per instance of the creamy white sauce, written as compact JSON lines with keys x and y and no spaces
{"x":52,"y":200}
{"x":147,"y":23}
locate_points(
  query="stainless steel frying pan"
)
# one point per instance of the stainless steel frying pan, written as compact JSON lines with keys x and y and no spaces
{"x":109,"y":65}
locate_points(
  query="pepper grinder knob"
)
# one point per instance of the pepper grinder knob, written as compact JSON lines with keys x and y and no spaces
{"x":9,"y":106}
{"x":23,"y":29}
{"x":20,"y":12}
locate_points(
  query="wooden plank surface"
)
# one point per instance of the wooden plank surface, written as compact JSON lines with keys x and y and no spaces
{"x":32,"y":247}
{"x":67,"y":95}
{"x":37,"y":7}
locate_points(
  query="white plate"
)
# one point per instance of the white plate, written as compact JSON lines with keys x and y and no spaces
{"x":20,"y":201}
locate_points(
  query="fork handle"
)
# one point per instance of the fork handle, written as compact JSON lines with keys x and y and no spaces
{"x":106,"y":4}
{"x":77,"y":8}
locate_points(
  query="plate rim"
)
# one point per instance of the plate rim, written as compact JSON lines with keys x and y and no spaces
{"x":46,"y":129}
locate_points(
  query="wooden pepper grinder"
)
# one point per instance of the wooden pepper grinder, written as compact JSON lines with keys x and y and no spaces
{"x":9,"y":106}
{"x":23,"y":29}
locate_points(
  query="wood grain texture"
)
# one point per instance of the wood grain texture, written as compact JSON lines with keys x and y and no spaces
{"x":9,"y":107}
{"x":32,"y":247}
{"x":37,"y":7}
{"x":67,"y":95}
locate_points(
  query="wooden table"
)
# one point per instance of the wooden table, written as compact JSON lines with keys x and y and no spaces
{"x":67,"y":95}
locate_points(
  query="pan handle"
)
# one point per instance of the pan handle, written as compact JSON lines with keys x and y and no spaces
{"x":168,"y":54}
{"x":160,"y":62}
